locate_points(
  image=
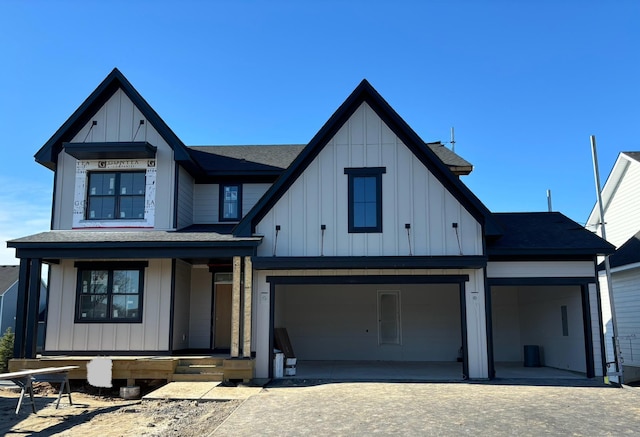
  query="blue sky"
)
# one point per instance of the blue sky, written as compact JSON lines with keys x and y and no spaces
{"x":524,"y":83}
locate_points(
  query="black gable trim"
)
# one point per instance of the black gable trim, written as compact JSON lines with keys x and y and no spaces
{"x":134,"y":150}
{"x":364,"y":92}
{"x":48,"y":154}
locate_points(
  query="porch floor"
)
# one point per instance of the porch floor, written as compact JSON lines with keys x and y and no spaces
{"x":416,"y":371}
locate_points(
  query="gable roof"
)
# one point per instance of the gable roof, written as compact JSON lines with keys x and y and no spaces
{"x":8,"y":276}
{"x":48,"y":154}
{"x":544,"y":234}
{"x":241,"y":160}
{"x":628,"y":253}
{"x":364,"y":92}
{"x":624,"y":160}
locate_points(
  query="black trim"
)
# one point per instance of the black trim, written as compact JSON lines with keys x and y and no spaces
{"x":542,"y":281}
{"x":353,"y":173}
{"x":173,"y":304}
{"x":119,"y":250}
{"x":111,"y":150}
{"x":48,"y":153}
{"x":588,"y":333}
{"x":176,"y":191}
{"x":238,"y":216}
{"x":33,"y":303}
{"x":110,"y":267}
{"x":116,"y":196}
{"x":373,"y":279}
{"x":364,"y":92}
{"x":488,"y":314}
{"x":21,"y":309}
{"x":465,"y":339}
{"x":358,"y":262}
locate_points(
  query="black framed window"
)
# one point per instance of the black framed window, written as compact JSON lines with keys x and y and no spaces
{"x":110,"y":292}
{"x":365,"y":199}
{"x":230,"y":202}
{"x":116,"y":195}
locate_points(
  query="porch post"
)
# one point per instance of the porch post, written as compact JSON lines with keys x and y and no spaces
{"x":246,"y":327}
{"x":21,"y":308}
{"x":33,"y":307}
{"x":235,"y":308}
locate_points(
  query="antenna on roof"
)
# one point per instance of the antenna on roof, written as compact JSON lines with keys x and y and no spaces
{"x":453,"y":140}
{"x":549,"y":200}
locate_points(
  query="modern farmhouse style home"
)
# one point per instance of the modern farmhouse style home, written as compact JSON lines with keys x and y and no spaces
{"x":364,"y":244}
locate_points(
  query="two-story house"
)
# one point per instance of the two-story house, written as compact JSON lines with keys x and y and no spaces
{"x":364,"y":244}
{"x":621,"y":205}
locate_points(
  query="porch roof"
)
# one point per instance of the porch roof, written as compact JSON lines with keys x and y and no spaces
{"x":81,"y":244}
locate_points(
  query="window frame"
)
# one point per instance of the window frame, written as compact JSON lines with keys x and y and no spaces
{"x":116,"y":196}
{"x":110,"y":267}
{"x":352,"y":174}
{"x":221,"y":216}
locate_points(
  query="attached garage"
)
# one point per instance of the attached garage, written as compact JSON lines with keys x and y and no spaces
{"x":379,"y":322}
{"x":539,"y":326}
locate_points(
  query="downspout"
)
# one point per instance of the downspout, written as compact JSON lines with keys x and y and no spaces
{"x":616,"y":350}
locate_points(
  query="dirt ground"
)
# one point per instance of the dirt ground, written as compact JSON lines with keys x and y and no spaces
{"x":105,"y":414}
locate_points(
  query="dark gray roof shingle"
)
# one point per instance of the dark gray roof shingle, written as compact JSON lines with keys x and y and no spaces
{"x":544,"y":233}
{"x":280,"y":156}
{"x":633,"y":155}
{"x":628,"y":253}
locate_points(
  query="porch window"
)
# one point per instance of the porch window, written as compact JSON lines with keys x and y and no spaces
{"x":109,"y":293}
{"x":365,"y":199}
{"x":116,"y":195}
{"x":230,"y":202}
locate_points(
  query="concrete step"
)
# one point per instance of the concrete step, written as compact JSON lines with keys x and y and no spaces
{"x":196,"y":377}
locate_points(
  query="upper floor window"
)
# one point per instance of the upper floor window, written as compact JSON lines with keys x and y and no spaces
{"x":109,"y":292}
{"x":116,"y":195}
{"x":365,"y":199}
{"x":230,"y":202}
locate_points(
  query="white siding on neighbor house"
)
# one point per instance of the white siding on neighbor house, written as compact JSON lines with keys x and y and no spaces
{"x":201,"y":306}
{"x":410,"y":194}
{"x":185,"y":199}
{"x":474,"y":295}
{"x":622,"y":215}
{"x":118,"y":120}
{"x":626,"y":284}
{"x":150,"y":335}
{"x":182,"y":305}
{"x":206,"y":203}
{"x":540,"y":269}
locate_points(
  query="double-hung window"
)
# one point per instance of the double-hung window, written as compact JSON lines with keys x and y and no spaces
{"x":230,"y":202}
{"x":365,"y":199}
{"x":110,"y":292}
{"x":116,"y":195}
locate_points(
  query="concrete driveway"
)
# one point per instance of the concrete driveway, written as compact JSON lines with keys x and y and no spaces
{"x":497,"y":408}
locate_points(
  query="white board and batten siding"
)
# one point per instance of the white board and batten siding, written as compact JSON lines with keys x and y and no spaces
{"x":410,"y":194}
{"x":474,"y":295}
{"x":117,"y":121}
{"x":150,"y":335}
{"x":626,"y":284}
{"x":622,"y":213}
{"x":206,"y":204}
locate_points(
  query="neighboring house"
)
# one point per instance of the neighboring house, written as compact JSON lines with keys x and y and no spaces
{"x":9,"y":300}
{"x":8,"y":297}
{"x":621,"y":204}
{"x":364,"y":244}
